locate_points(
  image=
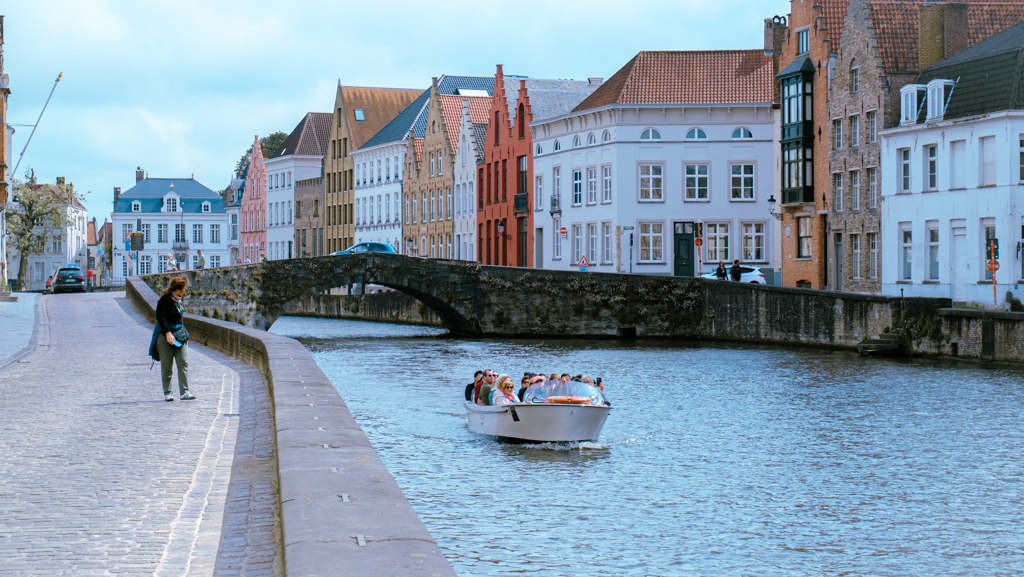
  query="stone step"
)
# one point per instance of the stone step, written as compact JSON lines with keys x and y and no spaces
{"x":8,"y":299}
{"x":889,"y":336}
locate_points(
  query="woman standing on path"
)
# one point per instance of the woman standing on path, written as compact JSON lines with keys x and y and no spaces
{"x":165,"y":347}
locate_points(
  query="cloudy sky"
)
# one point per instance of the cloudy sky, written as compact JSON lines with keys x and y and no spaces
{"x":182,"y":87}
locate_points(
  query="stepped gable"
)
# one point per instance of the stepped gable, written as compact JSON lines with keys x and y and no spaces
{"x":480,"y":138}
{"x":452,"y":85}
{"x":834,"y":12}
{"x":699,"y":77}
{"x":548,"y":98}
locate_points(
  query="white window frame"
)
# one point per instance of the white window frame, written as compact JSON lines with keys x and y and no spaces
{"x":987,"y":161}
{"x":873,"y":248}
{"x":197,"y":233}
{"x":606,"y":242}
{"x":556,"y":246}
{"x":655,"y":172}
{"x":538,"y":192}
{"x":855,"y":131}
{"x":933,"y":251}
{"x":161,"y":233}
{"x":872,"y":125}
{"x":746,"y":188}
{"x":906,"y":244}
{"x":136,"y":206}
{"x":904,"y":172}
{"x":855,"y":190}
{"x":214,"y":234}
{"x":653,"y":234}
{"x":577,"y":187}
{"x":577,"y":243}
{"x":837,"y":134}
{"x":606,"y":184}
{"x":872,"y":187}
{"x":931,"y":167}
{"x":716,"y":241}
{"x":697,"y":185}
{"x":837,"y":191}
{"x":592,"y":242}
{"x":591,"y":185}
{"x":753,"y":241}
{"x":556,"y":183}
{"x":803,"y":41}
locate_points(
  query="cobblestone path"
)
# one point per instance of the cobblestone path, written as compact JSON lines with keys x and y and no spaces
{"x":100,"y":476}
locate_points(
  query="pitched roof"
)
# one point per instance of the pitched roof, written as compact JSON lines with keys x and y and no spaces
{"x":548,"y":98}
{"x":896,"y":23}
{"x":452,"y":85}
{"x":989,"y":76}
{"x":834,"y":12}
{"x":699,"y":77}
{"x":59,"y":195}
{"x":150,"y":192}
{"x":379,"y":105}
{"x":451,"y":109}
{"x":90,"y":232}
{"x":480,"y":138}
{"x":398,"y":129}
{"x":309,"y":137}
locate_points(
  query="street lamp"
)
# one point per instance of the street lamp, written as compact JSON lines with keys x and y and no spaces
{"x":771,"y":208}
{"x":408,"y":246}
{"x":503,"y":236}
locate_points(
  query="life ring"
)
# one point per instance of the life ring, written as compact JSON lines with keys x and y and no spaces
{"x":571,"y":400}
{"x":557,"y":399}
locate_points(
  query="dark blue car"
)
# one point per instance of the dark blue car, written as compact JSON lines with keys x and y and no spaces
{"x":367,"y":247}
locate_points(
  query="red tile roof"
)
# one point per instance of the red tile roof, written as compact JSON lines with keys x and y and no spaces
{"x":379,"y":105}
{"x":451,"y":108}
{"x":895,"y":24}
{"x":90,"y":232}
{"x":699,"y":77}
{"x":834,"y":12}
{"x":418,"y":143}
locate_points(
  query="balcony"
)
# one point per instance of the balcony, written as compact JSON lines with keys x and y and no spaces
{"x":521,"y":203}
{"x":556,"y":205}
{"x":797,"y":195}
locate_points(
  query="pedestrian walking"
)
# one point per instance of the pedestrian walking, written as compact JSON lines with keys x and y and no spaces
{"x":171,"y":266}
{"x":735,"y":273}
{"x":720,"y":272}
{"x":200,"y":259}
{"x":170,"y":341}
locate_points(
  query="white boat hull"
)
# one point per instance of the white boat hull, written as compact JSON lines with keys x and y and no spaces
{"x":540,"y":422}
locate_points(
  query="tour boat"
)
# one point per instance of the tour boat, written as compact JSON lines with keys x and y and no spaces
{"x":553,"y":412}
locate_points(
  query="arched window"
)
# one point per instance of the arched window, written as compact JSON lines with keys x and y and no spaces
{"x":387,"y":168}
{"x":650,"y":134}
{"x":378,"y":170}
{"x":464,"y":150}
{"x":387,"y":207}
{"x":396,"y":166}
{"x":606,"y":137}
{"x":696,"y":134}
{"x":540,"y":150}
{"x":521,"y":119}
{"x":591,"y":139}
{"x":558,"y":146}
{"x":742,"y":134}
{"x":576,"y":142}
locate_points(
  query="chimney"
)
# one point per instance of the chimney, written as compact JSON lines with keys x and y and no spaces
{"x":60,"y":181}
{"x":139,"y":174}
{"x":117,"y":194}
{"x":955,"y":33}
{"x":931,"y":25}
{"x":595,"y":81}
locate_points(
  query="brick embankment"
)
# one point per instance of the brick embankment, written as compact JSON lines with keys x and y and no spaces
{"x":342,"y":512}
{"x":98,"y":474}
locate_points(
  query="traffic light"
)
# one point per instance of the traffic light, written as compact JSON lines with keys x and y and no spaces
{"x":992,"y":248}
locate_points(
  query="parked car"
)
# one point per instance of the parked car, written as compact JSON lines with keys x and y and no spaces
{"x":367,"y":247}
{"x":747,"y":274}
{"x":68,"y":279}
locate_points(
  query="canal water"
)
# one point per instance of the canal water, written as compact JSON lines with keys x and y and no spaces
{"x":716,"y":459}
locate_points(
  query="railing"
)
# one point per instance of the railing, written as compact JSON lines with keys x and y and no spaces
{"x":556,"y":205}
{"x":521,"y":203}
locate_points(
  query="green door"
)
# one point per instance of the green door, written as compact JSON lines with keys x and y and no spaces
{"x":684,"y":249}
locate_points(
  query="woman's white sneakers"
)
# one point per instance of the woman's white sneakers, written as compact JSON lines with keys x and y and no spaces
{"x":188,"y":396}
{"x":168,"y":398}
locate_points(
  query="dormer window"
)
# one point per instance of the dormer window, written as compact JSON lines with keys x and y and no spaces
{"x":650,"y":134}
{"x":206,"y":207}
{"x":170,"y":204}
{"x":694,"y":134}
{"x":136,"y":206}
{"x":911,"y":96}
{"x":938,"y":96}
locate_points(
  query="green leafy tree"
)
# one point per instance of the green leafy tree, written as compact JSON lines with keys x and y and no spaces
{"x":269,"y":143}
{"x":39,"y":213}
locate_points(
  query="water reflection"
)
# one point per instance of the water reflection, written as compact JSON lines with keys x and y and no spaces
{"x":716,"y":460}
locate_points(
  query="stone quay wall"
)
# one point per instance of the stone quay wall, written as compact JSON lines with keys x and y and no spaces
{"x":386,"y":306}
{"x":342,"y":513}
{"x":972,"y":334}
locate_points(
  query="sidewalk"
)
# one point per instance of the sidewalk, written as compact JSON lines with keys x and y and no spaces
{"x":99,"y":475}
{"x":17,"y":323}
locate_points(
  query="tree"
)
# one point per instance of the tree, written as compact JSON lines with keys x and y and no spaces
{"x":39,"y":213}
{"x":269,"y":145}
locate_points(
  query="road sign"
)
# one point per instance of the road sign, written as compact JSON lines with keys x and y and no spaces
{"x":138,"y":241}
{"x":627,"y":228}
{"x":563,"y":230}
{"x":992,"y":248}
{"x":993,"y":265}
{"x":583,"y":262}
{"x":698,"y":241}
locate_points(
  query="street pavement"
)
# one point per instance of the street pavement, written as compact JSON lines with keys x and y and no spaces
{"x":17,"y":323}
{"x":100,"y":476}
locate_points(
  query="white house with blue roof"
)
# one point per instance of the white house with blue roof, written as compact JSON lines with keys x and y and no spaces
{"x":178,"y":216}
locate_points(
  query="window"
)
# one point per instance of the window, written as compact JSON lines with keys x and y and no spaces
{"x":591,"y":139}
{"x":592,"y":243}
{"x":556,"y":181}
{"x":577,"y":243}
{"x":742,"y":134}
{"x":957,"y":164}
{"x":171,"y":204}
{"x":872,"y":127}
{"x":907,"y":249}
{"x":855,"y":249}
{"x":289,"y":212}
{"x":539,"y":150}
{"x":717,"y":241}
{"x":855,"y":190}
{"x":650,"y":134}
{"x":904,"y":156}
{"x":440,"y":163}
{"x":1022,"y":159}
{"x":933,"y":253}
{"x":431,"y":164}
{"x":931,"y":161}
{"x":577,"y":187}
{"x":837,"y":134}
{"x":987,"y":160}
{"x":556,"y":229}
{"x":576,"y":142}
{"x":215,"y":234}
{"x":696,"y":181}
{"x":606,"y":242}
{"x":803,"y":42}
{"x":57,"y":246}
{"x":179,"y":233}
{"x":197,"y":233}
{"x":742,"y":181}
{"x":591,"y":186}
{"x":538,"y":193}
{"x":434,"y":213}
{"x":854,"y":81}
{"x":606,"y":137}
{"x":136,"y":206}
{"x":448,"y":203}
{"x":558,"y":146}
{"x":652,"y":242}
{"x":414,"y":211}
{"x":651,"y":182}
{"x":298,"y":209}
{"x":873,"y":248}
{"x":696,"y":134}
{"x":803,"y":237}
{"x":753,"y":241}
{"x":606,"y":184}
{"x":145,"y":264}
{"x":234,"y":227}
{"x":837,"y":192}
{"x":854,"y":131}
{"x":215,"y":261}
{"x":161,"y":233}
{"x":145,"y":231}
{"x":360,"y":117}
{"x":990,"y":235}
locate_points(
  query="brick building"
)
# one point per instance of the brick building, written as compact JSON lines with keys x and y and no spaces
{"x":807,"y":40}
{"x":253,"y":212}
{"x":885,"y":46}
{"x":309,"y":219}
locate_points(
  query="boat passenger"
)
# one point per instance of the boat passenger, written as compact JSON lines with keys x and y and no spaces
{"x":472,"y":387}
{"x":553,"y":377}
{"x":566,"y":377}
{"x":537,"y":379}
{"x":502,"y":394}
{"x":483,"y":390}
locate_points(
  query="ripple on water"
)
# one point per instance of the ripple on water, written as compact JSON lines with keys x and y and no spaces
{"x":716,"y":459}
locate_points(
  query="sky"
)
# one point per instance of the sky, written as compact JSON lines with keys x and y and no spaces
{"x":181,"y":88}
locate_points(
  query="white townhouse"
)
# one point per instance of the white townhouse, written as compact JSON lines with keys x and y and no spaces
{"x":675,"y":144}
{"x":177,"y":216}
{"x":300,"y":157}
{"x":957,"y":177}
{"x":69,"y":247}
{"x":233,"y":207}
{"x":471,"y":138}
{"x":379,"y":169}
